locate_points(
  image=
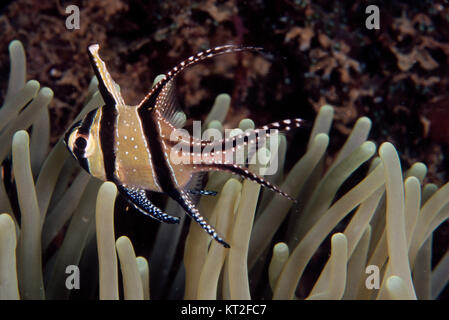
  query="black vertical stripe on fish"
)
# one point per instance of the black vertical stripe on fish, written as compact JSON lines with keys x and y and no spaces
{"x":158,"y":158}
{"x":87,"y":122}
{"x":165,"y":176}
{"x":79,"y":154}
{"x":107,"y":140}
{"x":81,"y":143}
{"x":69,"y":132}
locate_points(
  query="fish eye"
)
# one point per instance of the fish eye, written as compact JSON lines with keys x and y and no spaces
{"x":80,"y":143}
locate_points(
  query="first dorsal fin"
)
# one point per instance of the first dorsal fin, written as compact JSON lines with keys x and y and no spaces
{"x":106,"y":85}
{"x":150,"y":103}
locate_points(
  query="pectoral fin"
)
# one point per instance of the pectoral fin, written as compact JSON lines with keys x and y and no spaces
{"x":139,"y":198}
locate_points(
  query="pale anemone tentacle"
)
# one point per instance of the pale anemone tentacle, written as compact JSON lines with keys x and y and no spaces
{"x":358,"y":135}
{"x":219,"y":109}
{"x":12,"y":107}
{"x":338,"y":261}
{"x":64,"y":209}
{"x":197,"y":241}
{"x":299,"y":257}
{"x":276,"y":178}
{"x":428,"y":213}
{"x":322,"y":123}
{"x":29,"y":249}
{"x":398,"y":263}
{"x":412,"y":189}
{"x":267,"y":222}
{"x":224,"y":210}
{"x":9,"y":289}
{"x":422,"y":272}
{"x":278,"y":260}
{"x":40,"y":140}
{"x":24,"y":119}
{"x":5,"y":204}
{"x":237,"y":268}
{"x":440,"y":276}
{"x":165,"y":245}
{"x":75,"y":240}
{"x":396,"y":288}
{"x":132,"y":282}
{"x":18,"y":70}
{"x":328,"y":187}
{"x":354,"y":231}
{"x":428,"y":191}
{"x":144,"y":271}
{"x":107,"y":258}
{"x":357,"y":266}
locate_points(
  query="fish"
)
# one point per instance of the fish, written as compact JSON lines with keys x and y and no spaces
{"x":130,"y":145}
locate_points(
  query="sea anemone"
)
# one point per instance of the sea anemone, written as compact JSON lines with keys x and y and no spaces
{"x":384,"y":221}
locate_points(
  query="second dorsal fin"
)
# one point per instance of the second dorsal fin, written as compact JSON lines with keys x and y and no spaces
{"x":150,"y":102}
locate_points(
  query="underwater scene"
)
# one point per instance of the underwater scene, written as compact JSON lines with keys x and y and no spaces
{"x":224,"y":150}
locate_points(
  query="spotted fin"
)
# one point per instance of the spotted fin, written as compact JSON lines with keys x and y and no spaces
{"x":260,"y":134}
{"x":168,"y":104}
{"x":149,"y":102}
{"x":202,"y":192}
{"x":139,"y":198}
{"x":195,"y":187}
{"x":245,"y":173}
{"x":253,"y":139}
{"x":187,"y":204}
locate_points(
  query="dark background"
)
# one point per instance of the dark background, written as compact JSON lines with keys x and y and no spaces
{"x":323,"y":53}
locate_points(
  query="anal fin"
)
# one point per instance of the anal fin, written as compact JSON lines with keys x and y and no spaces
{"x":187,"y":204}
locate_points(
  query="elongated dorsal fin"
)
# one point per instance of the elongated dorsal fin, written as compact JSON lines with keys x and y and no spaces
{"x":149,"y":101}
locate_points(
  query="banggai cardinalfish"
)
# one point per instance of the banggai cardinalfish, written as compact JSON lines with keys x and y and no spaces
{"x":131,"y":145}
